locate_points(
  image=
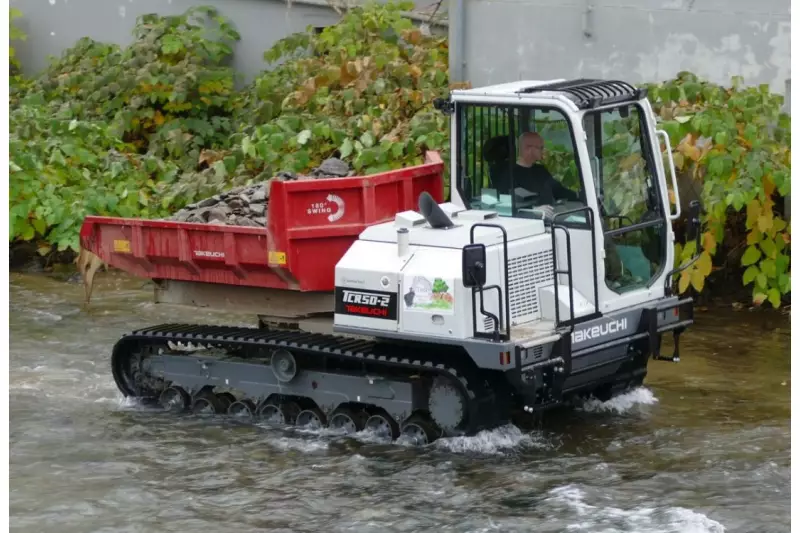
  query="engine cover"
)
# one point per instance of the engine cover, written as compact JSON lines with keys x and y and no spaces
{"x":367,"y":286}
{"x":415,"y":288}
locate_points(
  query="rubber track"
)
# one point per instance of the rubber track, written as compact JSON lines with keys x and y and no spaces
{"x":315,"y":343}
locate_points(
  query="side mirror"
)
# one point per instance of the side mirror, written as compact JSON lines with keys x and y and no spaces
{"x":693,"y":231}
{"x":473,"y":265}
{"x":444,"y":105}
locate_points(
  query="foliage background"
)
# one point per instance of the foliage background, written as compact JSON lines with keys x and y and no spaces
{"x":143,"y":130}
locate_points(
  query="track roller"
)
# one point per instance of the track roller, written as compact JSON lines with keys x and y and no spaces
{"x":228,"y":398}
{"x":418,"y":431}
{"x":283,"y":365}
{"x":174,"y":399}
{"x":313,"y":418}
{"x":242,"y":409}
{"x":383,"y":425}
{"x":347,"y":419}
{"x":208,"y":403}
{"x":278,"y":413}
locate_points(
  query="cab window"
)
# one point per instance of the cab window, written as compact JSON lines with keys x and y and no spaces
{"x":513,"y":159}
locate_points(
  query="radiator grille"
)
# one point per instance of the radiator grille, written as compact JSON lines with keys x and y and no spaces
{"x":526,"y":274}
{"x":532,"y":355}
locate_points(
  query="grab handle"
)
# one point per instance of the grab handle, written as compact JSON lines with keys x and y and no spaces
{"x":672,"y":175}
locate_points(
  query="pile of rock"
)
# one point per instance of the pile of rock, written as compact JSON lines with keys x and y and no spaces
{"x":247,"y":206}
{"x":243,"y":206}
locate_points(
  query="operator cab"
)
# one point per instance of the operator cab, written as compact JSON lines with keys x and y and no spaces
{"x":585,"y":148}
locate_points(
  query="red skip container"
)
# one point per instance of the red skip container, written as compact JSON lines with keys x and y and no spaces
{"x":310,"y":225}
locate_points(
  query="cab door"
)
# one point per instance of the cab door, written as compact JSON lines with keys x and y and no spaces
{"x":630,"y":203}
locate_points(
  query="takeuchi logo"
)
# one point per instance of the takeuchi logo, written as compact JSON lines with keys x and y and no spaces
{"x":596,"y":332}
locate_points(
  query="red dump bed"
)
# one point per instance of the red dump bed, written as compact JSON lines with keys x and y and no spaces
{"x":310,"y":225}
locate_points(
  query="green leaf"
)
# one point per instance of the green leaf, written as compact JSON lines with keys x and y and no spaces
{"x":397,"y":149}
{"x":774,"y":298}
{"x":346,"y":148}
{"x":40,"y":226}
{"x":784,"y":283}
{"x":716,"y":168}
{"x":751,"y":255}
{"x":248,"y":148}
{"x":171,"y":45}
{"x":750,"y":274}
{"x":230,"y":163}
{"x":27,"y":232}
{"x":750,"y":132}
{"x":277,"y":141}
{"x":769,"y":247}
{"x":57,"y":158}
{"x":768,"y":268}
{"x":219,"y":169}
{"x":264,"y":150}
{"x":367,"y":139}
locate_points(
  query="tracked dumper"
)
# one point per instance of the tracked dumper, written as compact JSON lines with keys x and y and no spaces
{"x":545,"y":276}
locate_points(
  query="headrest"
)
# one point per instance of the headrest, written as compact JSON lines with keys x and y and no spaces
{"x":496,"y":149}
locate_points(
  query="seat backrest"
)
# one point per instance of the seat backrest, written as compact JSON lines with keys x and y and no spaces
{"x":496,"y":155}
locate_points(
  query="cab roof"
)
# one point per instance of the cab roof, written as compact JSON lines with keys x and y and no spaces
{"x":584,"y":93}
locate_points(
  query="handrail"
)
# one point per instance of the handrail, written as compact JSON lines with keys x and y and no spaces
{"x":501,"y":297}
{"x":497,"y":321}
{"x":567,"y":272}
{"x":672,"y":175}
{"x":554,"y":225}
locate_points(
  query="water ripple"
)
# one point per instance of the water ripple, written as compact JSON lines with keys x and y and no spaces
{"x":703,"y":447}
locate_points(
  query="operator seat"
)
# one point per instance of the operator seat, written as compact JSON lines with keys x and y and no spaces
{"x":496,"y":154}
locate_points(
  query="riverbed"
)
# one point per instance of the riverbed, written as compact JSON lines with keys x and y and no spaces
{"x":704,"y":446}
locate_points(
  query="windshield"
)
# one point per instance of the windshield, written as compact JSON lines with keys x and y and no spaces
{"x":514,"y":159}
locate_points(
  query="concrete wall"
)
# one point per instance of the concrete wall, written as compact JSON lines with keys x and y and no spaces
{"x":54,"y":25}
{"x":636,"y":40}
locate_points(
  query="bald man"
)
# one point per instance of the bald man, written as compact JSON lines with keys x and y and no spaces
{"x":531,"y":175}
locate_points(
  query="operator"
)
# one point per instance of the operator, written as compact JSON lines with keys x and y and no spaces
{"x":530,"y":174}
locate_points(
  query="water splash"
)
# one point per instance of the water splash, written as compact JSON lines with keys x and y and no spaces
{"x":497,"y":441}
{"x":608,"y":519}
{"x":623,"y":403}
{"x":300,"y":445}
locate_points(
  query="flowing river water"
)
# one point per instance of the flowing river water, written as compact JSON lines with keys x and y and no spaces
{"x":704,"y":446}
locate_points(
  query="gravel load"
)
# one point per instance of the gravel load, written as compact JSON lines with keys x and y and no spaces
{"x":247,"y":206}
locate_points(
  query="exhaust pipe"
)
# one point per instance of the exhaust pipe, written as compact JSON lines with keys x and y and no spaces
{"x":402,"y":242}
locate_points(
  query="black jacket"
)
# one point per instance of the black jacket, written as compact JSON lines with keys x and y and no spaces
{"x":538,"y":179}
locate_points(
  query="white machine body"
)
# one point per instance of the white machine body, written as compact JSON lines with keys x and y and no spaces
{"x":404,"y":277}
